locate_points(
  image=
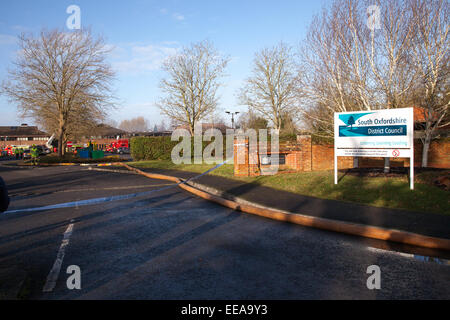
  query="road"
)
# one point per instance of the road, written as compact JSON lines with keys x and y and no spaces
{"x":173,"y":245}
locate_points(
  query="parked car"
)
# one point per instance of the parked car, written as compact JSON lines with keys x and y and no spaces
{"x":43,"y":150}
{"x":123,"y":150}
{"x":27,"y":154}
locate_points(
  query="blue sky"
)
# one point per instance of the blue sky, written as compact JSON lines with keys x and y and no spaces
{"x":145,"y":32}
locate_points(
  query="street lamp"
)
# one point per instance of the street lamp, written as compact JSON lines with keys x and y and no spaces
{"x":232,"y":117}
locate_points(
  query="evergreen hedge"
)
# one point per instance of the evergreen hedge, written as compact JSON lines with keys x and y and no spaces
{"x":159,"y":148}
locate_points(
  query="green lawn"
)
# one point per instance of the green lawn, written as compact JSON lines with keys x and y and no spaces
{"x":390,"y":192}
{"x":72,"y":158}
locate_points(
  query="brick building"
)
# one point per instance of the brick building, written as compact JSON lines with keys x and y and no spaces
{"x":22,"y":135}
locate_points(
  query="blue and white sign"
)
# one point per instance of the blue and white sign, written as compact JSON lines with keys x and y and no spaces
{"x":391,"y":128}
{"x":387,"y":133}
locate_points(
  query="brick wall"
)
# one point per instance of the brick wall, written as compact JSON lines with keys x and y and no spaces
{"x":4,"y":144}
{"x":438,"y":154}
{"x":294,"y":160}
{"x":323,"y":158}
{"x":313,"y":157}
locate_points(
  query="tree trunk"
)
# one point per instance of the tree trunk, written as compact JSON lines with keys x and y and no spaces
{"x":387,"y":165}
{"x":426,"y":146}
{"x":61,"y":143}
{"x":355,"y":162}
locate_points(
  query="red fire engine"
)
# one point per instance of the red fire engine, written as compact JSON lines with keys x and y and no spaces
{"x":116,"y":145}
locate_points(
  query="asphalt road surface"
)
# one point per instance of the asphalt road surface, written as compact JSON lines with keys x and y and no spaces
{"x":173,"y":245}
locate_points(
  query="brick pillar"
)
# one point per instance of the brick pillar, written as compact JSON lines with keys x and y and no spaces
{"x":240,"y":152}
{"x":305,"y":143}
{"x":249,"y":159}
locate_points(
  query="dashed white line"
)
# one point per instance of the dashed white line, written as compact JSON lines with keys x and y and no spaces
{"x":54,"y":272}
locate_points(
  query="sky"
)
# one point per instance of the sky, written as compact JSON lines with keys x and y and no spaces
{"x":143,"y":33}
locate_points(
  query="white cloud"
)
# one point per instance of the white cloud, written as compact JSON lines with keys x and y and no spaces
{"x":175,"y":15}
{"x":6,"y":39}
{"x":178,"y":16}
{"x":138,"y":59}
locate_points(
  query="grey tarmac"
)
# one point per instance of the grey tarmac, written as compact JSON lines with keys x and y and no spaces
{"x":173,"y":245}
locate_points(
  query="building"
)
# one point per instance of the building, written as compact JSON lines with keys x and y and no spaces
{"x":22,"y":135}
{"x":205,"y":126}
{"x":106,"y":132}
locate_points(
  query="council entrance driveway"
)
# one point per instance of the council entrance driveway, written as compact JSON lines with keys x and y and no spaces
{"x":172,"y":245}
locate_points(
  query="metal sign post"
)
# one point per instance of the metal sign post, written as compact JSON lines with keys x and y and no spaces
{"x":378,"y":133}
{"x":336,"y":133}
{"x":411,"y":157}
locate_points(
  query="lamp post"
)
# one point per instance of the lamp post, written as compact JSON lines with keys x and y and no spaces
{"x":232,"y":117}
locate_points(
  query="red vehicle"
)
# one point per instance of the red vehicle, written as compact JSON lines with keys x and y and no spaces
{"x":8,"y":150}
{"x":109,"y":148}
{"x":116,"y":145}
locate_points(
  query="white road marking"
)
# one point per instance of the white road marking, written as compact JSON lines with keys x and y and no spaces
{"x":54,"y":272}
{"x":116,"y":188}
{"x":88,"y":189}
{"x":439,"y":261}
{"x":406,"y":255}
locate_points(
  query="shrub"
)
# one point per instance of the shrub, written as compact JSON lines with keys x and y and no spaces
{"x":159,"y":148}
{"x":151,"y":148}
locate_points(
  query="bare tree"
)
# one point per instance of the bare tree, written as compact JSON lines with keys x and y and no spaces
{"x":162,"y":126}
{"x":250,"y":120}
{"x":190,"y":87}
{"x":111,"y":122}
{"x":270,"y":90}
{"x":389,"y":53}
{"x":138,"y":124}
{"x":61,"y":80}
{"x":404,"y":61}
{"x":349,"y":65}
{"x":332,"y":77}
{"x":431,"y":59}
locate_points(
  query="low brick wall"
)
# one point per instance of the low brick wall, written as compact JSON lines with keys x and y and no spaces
{"x":438,"y":157}
{"x":306,"y":156}
{"x":438,"y":154}
{"x":323,"y":158}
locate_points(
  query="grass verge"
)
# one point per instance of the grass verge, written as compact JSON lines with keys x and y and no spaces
{"x":388,"y":192}
{"x":72,"y":158}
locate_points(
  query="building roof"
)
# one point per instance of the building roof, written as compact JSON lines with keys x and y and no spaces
{"x":205,"y":126}
{"x":104,"y":130}
{"x":22,"y":131}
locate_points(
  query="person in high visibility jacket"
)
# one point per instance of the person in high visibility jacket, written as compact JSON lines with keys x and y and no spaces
{"x":34,"y":155}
